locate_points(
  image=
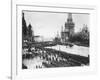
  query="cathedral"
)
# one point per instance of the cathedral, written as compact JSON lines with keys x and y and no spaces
{"x":68,"y":29}
{"x":27,"y":32}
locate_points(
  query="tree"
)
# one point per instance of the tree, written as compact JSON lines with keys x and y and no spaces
{"x":81,"y":37}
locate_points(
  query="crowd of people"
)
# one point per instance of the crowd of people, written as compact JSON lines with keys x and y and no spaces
{"x":48,"y":58}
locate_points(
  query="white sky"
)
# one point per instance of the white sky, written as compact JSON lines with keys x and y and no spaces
{"x":47,"y":24}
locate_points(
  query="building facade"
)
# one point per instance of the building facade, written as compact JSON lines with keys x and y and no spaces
{"x":27,"y":32}
{"x":68,"y":28}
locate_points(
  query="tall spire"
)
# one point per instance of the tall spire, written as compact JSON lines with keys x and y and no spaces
{"x":24,"y":26}
{"x":23,"y":14}
{"x":70,"y":15}
{"x":69,"y":19}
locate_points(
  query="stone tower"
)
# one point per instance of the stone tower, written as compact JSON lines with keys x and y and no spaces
{"x":69,"y":26}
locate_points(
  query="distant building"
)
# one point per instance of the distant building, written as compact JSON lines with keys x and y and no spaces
{"x":30,"y":33}
{"x":68,"y":29}
{"x":38,"y":39}
{"x":24,"y":27}
{"x":27,"y":32}
{"x":57,"y":38}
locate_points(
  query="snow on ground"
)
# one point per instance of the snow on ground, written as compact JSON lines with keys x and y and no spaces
{"x":78,"y":50}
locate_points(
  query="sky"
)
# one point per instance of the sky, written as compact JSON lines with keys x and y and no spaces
{"x":47,"y":24}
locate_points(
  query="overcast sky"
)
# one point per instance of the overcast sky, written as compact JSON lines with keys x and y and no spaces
{"x":48,"y":24}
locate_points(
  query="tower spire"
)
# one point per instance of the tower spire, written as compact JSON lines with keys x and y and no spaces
{"x":70,"y":15}
{"x":69,"y":19}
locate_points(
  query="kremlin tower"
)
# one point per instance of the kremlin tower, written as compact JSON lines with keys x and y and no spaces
{"x":68,"y":28}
